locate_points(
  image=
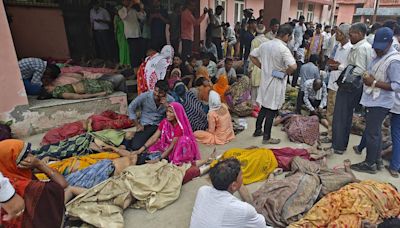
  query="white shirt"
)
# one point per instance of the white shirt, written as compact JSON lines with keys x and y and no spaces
{"x":230,"y":74}
{"x":273,"y":55}
{"x":360,"y":56}
{"x":298,"y":33}
{"x":100,"y":14}
{"x":216,"y":209}
{"x":230,"y":34}
{"x":131,"y":20}
{"x":6,"y":189}
{"x":327,"y":37}
{"x":341,"y":57}
{"x":212,"y":69}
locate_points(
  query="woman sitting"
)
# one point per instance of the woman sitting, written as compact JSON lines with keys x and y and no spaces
{"x":202,"y":89}
{"x":87,"y":88}
{"x":44,"y":201}
{"x":173,"y":140}
{"x":221,"y":86}
{"x":238,"y":97}
{"x":220,"y":128}
{"x":193,"y":107}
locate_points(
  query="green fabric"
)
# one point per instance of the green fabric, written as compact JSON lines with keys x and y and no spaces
{"x":123,"y":47}
{"x":97,"y":86}
{"x":60,"y":90}
{"x":110,"y":136}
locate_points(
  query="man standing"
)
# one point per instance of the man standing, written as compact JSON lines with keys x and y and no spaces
{"x":260,"y":19}
{"x":380,"y":81}
{"x":316,"y":43}
{"x":37,"y":73}
{"x":247,"y":39}
{"x":276,"y":62}
{"x":153,"y":105}
{"x":230,"y":37}
{"x":307,"y":71}
{"x":188,"y":21}
{"x":132,"y":14}
{"x":350,"y":88}
{"x":158,"y":21}
{"x":216,"y":206}
{"x":175,"y":27}
{"x":326,"y":34}
{"x":336,"y":65}
{"x":254,"y":71}
{"x":299,"y":30}
{"x":274,"y":26}
{"x":217,"y":29}
{"x":315,"y":95}
{"x":100,"y":25}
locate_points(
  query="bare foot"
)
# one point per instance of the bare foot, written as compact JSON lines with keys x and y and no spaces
{"x":347,"y":164}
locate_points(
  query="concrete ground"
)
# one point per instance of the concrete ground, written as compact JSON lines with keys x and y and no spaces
{"x":177,"y":215}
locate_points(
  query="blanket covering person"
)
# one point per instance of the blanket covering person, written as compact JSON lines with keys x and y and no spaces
{"x":150,"y":186}
{"x":238,"y":97}
{"x":73,"y":164}
{"x":193,"y":107}
{"x":285,"y":155}
{"x":42,"y":199}
{"x":283,"y":202}
{"x":348,"y":207}
{"x":256,"y":163}
{"x":105,"y":120}
{"x":303,"y":129}
{"x":186,"y":149}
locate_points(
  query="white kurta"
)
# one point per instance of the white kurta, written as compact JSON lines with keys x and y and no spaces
{"x":273,"y":55}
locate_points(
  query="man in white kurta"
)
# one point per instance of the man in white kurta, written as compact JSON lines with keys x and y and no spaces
{"x":276,"y":62}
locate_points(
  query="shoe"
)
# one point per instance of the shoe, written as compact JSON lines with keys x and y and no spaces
{"x":393,"y":173}
{"x":364,"y":167}
{"x":325,"y":140}
{"x":258,"y":133}
{"x":355,"y":148}
{"x":379,"y":165}
{"x":271,"y":141}
{"x":340,"y":152}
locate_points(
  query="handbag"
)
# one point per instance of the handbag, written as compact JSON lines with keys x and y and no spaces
{"x":347,"y":80}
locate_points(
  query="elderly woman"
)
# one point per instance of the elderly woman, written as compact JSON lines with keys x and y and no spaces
{"x":220,"y":128}
{"x":238,"y":97}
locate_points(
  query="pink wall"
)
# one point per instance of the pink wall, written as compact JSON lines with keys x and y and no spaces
{"x":38,"y":32}
{"x":345,"y":14}
{"x":321,"y":12}
{"x":12,"y":91}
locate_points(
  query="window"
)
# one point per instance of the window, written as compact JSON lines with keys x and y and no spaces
{"x":300,"y":8}
{"x":310,"y":13}
{"x":239,"y":7}
{"x":223,"y":4}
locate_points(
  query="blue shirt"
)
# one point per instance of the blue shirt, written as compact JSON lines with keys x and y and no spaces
{"x":308,"y":71}
{"x":150,"y":113}
{"x":32,"y":69}
{"x":385,"y":98}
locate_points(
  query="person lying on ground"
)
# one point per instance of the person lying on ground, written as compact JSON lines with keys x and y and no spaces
{"x":153,"y":106}
{"x":173,"y":140}
{"x":216,"y":206}
{"x":87,"y":88}
{"x":18,"y":165}
{"x":220,"y":128}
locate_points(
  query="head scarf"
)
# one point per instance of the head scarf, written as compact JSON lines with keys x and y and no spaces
{"x":174,"y":78}
{"x":345,"y":28}
{"x":156,"y":66}
{"x":202,"y":72}
{"x":221,"y":86}
{"x":214,"y":101}
{"x":10,"y":150}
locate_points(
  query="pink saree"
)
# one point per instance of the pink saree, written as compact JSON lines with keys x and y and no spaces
{"x":186,"y":149}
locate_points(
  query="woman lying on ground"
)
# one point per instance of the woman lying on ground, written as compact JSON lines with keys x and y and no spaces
{"x":44,"y":201}
{"x":220,"y":128}
{"x":193,"y":107}
{"x":173,"y":140}
{"x":84,"y":89}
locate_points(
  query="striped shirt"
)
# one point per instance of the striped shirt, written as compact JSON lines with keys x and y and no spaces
{"x":32,"y":69}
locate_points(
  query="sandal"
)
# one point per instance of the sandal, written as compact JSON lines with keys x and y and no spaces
{"x":392,"y":172}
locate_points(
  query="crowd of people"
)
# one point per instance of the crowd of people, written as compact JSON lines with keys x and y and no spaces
{"x":184,"y":100}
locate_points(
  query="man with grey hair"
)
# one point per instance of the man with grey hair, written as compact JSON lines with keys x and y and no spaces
{"x":350,"y":87}
{"x":336,"y":64}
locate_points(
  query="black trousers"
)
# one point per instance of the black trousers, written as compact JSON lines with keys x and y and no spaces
{"x":346,"y":101}
{"x":268,"y":115}
{"x":296,"y":74}
{"x":137,"y":51}
{"x":141,"y":137}
{"x":373,"y":132}
{"x":175,"y":45}
{"x":217,"y":41}
{"x":300,"y":101}
{"x":103,"y":44}
{"x":186,"y":49}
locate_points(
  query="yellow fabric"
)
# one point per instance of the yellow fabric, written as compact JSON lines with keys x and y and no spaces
{"x":256,"y":163}
{"x":347,"y":207}
{"x":154,"y":186}
{"x":321,"y":40}
{"x":73,"y":164}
